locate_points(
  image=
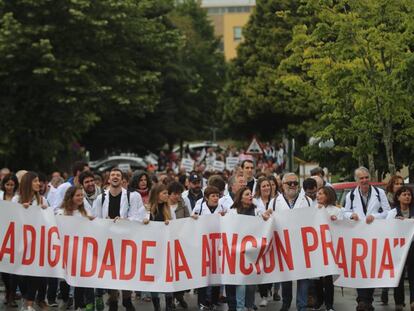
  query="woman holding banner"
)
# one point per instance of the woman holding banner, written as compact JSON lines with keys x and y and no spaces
{"x":209,"y":205}
{"x":9,"y":186}
{"x":72,"y":205}
{"x":262,"y":197}
{"x":30,"y":197}
{"x":326,"y":198}
{"x":243,"y":204}
{"x":404,"y":209}
{"x":160,"y":211}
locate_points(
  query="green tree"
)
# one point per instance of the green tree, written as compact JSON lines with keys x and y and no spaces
{"x":63,"y":63}
{"x":261,"y":98}
{"x":357,"y":56}
{"x":191,"y":80}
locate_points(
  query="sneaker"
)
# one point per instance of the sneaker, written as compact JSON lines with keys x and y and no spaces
{"x":28,"y":308}
{"x":317,"y":307}
{"x":63,"y":305}
{"x":42,"y":305}
{"x":203,"y":307}
{"x":263,"y":303}
{"x":182,"y":303}
{"x":99,"y":304}
{"x":52,"y":303}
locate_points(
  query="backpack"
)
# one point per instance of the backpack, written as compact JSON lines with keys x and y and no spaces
{"x":128,"y":198}
{"x":352,"y":197}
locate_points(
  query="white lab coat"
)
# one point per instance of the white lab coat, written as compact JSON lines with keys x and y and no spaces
{"x":202,"y":209}
{"x":131,"y":211}
{"x":56,"y":197}
{"x":233,"y":211}
{"x":260,"y":206}
{"x":281,"y":205}
{"x":43,"y":200}
{"x":226,"y":201}
{"x":76,"y":213}
{"x":375,"y":202}
{"x":333,"y":210}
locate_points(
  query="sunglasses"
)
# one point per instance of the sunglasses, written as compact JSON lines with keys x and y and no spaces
{"x":291,"y":183}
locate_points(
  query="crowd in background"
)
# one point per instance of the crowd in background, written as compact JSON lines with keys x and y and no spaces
{"x":145,"y":196}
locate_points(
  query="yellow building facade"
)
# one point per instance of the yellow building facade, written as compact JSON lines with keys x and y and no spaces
{"x":229,"y":17}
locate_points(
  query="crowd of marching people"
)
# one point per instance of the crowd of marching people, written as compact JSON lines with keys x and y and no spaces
{"x":146,"y":196}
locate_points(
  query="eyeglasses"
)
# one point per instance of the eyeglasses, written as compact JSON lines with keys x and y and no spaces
{"x":291,"y":183}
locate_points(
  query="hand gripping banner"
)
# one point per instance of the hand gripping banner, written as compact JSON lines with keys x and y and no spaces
{"x":214,"y":249}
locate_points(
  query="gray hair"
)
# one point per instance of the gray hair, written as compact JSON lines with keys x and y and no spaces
{"x":232,"y":181}
{"x":285,"y":176}
{"x":361,"y":169}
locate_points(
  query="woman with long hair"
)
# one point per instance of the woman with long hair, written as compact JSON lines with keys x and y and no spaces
{"x":395,"y":183}
{"x":160,"y":211}
{"x":30,"y":197}
{"x":9,"y":186}
{"x":72,"y":205}
{"x":326,"y":198}
{"x":263,"y":194}
{"x":404,"y":209}
{"x":243,"y":205}
{"x":274,"y":185}
{"x":141,"y":182}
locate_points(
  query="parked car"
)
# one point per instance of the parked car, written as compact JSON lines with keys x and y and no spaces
{"x":343,"y":188}
{"x":121,"y":161}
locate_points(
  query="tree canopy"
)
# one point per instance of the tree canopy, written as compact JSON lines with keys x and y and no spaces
{"x":110,"y":74}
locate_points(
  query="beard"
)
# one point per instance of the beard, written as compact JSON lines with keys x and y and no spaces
{"x":291,"y":193}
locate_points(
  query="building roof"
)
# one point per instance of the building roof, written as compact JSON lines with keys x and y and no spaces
{"x":226,"y":3}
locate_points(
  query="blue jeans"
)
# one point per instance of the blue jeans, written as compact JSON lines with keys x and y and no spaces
{"x":301,"y":294}
{"x":240,"y":297}
{"x":245,"y":296}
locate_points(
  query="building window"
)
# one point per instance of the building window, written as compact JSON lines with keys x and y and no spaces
{"x":231,"y":9}
{"x":237,"y":33}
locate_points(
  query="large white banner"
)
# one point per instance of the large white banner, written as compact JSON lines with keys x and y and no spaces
{"x":214,"y":249}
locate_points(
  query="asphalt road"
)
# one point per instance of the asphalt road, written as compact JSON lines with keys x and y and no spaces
{"x":343,"y":302}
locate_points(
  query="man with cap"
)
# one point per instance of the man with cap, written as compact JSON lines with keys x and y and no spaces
{"x":194,"y":192}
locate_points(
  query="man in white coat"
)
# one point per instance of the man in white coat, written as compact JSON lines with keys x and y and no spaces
{"x":90,"y":190}
{"x":365,"y":203}
{"x":118,"y":203}
{"x":292,"y":198}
